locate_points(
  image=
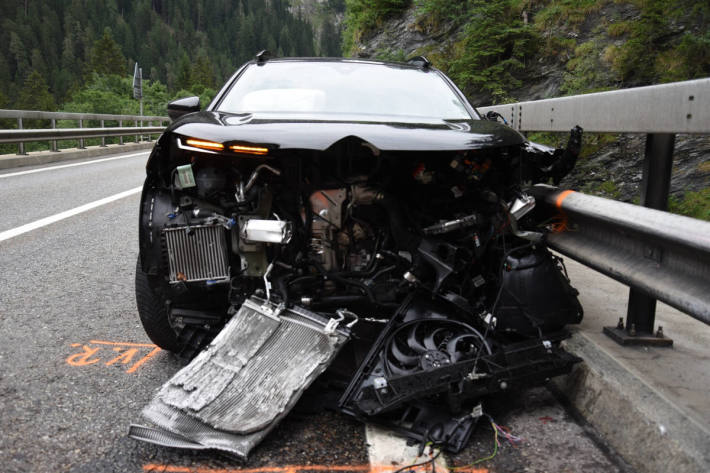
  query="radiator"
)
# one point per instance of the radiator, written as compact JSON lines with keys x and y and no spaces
{"x":251,"y":375}
{"x":199,"y":254}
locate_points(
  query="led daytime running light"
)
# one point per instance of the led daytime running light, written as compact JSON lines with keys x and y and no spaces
{"x":211,"y":145}
{"x":249,"y":149}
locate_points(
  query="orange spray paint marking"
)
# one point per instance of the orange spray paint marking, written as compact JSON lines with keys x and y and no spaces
{"x":83,"y":359}
{"x":150,"y":355}
{"x":123,"y":358}
{"x":127,"y":353}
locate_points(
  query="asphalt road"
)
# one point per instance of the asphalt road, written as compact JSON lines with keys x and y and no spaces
{"x":76,"y":367}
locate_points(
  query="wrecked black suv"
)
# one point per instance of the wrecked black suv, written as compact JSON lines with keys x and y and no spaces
{"x":354,"y":223}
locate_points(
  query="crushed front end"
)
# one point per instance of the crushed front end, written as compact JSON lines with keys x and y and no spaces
{"x":424,"y":270}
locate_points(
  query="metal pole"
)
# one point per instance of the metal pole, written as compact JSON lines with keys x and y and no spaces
{"x":81,"y":140}
{"x":120,"y":138}
{"x":141,"y":115}
{"x":655,"y":187}
{"x":21,"y":145}
{"x":54,"y":142}
{"x":135,"y":124}
{"x":103,"y":138}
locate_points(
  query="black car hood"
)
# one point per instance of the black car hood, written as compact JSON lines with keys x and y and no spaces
{"x":288,"y":132}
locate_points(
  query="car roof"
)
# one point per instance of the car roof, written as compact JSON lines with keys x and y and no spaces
{"x":402,"y":65}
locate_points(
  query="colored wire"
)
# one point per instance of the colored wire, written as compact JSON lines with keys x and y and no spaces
{"x":430,"y":460}
{"x":489,"y":457}
{"x":505,"y":432}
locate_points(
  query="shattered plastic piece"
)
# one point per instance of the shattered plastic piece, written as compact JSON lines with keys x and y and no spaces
{"x":234,"y":392}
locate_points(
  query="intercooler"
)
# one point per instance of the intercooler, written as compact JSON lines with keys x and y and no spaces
{"x":197,"y":253}
{"x":234,"y":392}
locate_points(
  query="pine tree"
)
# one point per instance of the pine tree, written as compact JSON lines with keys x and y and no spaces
{"x":329,"y":41}
{"x":106,"y":57}
{"x":19,"y":53}
{"x":35,"y":94}
{"x":183,"y":79}
{"x":201,"y":72}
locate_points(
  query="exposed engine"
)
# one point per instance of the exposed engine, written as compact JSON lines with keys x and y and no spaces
{"x":435,"y":261}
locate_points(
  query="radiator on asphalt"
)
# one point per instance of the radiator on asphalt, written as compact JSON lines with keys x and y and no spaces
{"x":241,"y":386}
{"x":197,"y":253}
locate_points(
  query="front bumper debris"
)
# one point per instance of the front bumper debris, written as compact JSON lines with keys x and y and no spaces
{"x":236,"y":391}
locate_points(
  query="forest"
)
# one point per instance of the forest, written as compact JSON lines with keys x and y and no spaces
{"x":78,"y":55}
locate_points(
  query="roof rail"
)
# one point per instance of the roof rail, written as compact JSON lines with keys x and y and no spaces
{"x":263,"y":56}
{"x":419,"y":61}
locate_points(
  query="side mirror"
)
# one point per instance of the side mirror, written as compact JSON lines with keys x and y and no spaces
{"x":180,"y":107}
{"x":493,"y":116}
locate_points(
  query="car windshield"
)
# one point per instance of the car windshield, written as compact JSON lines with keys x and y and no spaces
{"x":343,"y":88}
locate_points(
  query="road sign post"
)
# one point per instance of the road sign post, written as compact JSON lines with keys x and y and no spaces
{"x":138,"y":88}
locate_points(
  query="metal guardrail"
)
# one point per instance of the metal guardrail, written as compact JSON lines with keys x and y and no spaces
{"x":659,"y":255}
{"x":22,"y":135}
{"x":662,"y":254}
{"x":679,"y":107}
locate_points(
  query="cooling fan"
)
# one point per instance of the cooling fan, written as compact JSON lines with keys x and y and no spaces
{"x":425,"y":344}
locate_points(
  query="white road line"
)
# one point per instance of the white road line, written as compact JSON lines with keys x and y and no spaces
{"x":6,"y":235}
{"x":389,"y":452}
{"x":52,"y":168}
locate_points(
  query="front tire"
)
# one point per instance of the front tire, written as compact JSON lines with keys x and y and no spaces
{"x":153,"y":313}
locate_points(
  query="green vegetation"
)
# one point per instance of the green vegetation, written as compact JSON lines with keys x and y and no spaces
{"x":362,"y":16}
{"x":34,"y":94}
{"x":106,"y":57}
{"x":391,"y":55}
{"x":587,"y":70}
{"x":609,"y":189}
{"x":655,"y":49}
{"x":591,"y":142}
{"x":692,"y":204}
{"x":184,"y":44}
{"x":438,"y":11}
{"x":491,"y":56}
{"x":565,"y":13}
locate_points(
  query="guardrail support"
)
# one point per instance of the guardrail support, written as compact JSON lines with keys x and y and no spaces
{"x":81,"y":140}
{"x":103,"y":139}
{"x":655,"y":187}
{"x":120,"y":138}
{"x":20,"y":145}
{"x":54,"y":142}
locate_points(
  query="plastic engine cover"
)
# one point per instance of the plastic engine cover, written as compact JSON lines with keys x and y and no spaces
{"x":251,"y":375}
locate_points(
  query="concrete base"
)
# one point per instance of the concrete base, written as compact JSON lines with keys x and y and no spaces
{"x":650,"y":404}
{"x":45,"y":157}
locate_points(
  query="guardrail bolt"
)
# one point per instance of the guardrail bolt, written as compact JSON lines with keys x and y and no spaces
{"x":632,"y":330}
{"x":620,"y":324}
{"x":659,"y":332}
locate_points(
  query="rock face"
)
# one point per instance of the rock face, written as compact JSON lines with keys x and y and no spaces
{"x":612,"y":165}
{"x":404,"y":36}
{"x":615,"y":171}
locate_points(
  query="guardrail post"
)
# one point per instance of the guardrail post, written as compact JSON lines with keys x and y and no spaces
{"x":120,"y":138}
{"x":20,"y":145}
{"x":655,"y":187}
{"x":54,"y":142}
{"x":81,"y":140}
{"x":135,"y":123}
{"x":103,"y":138}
